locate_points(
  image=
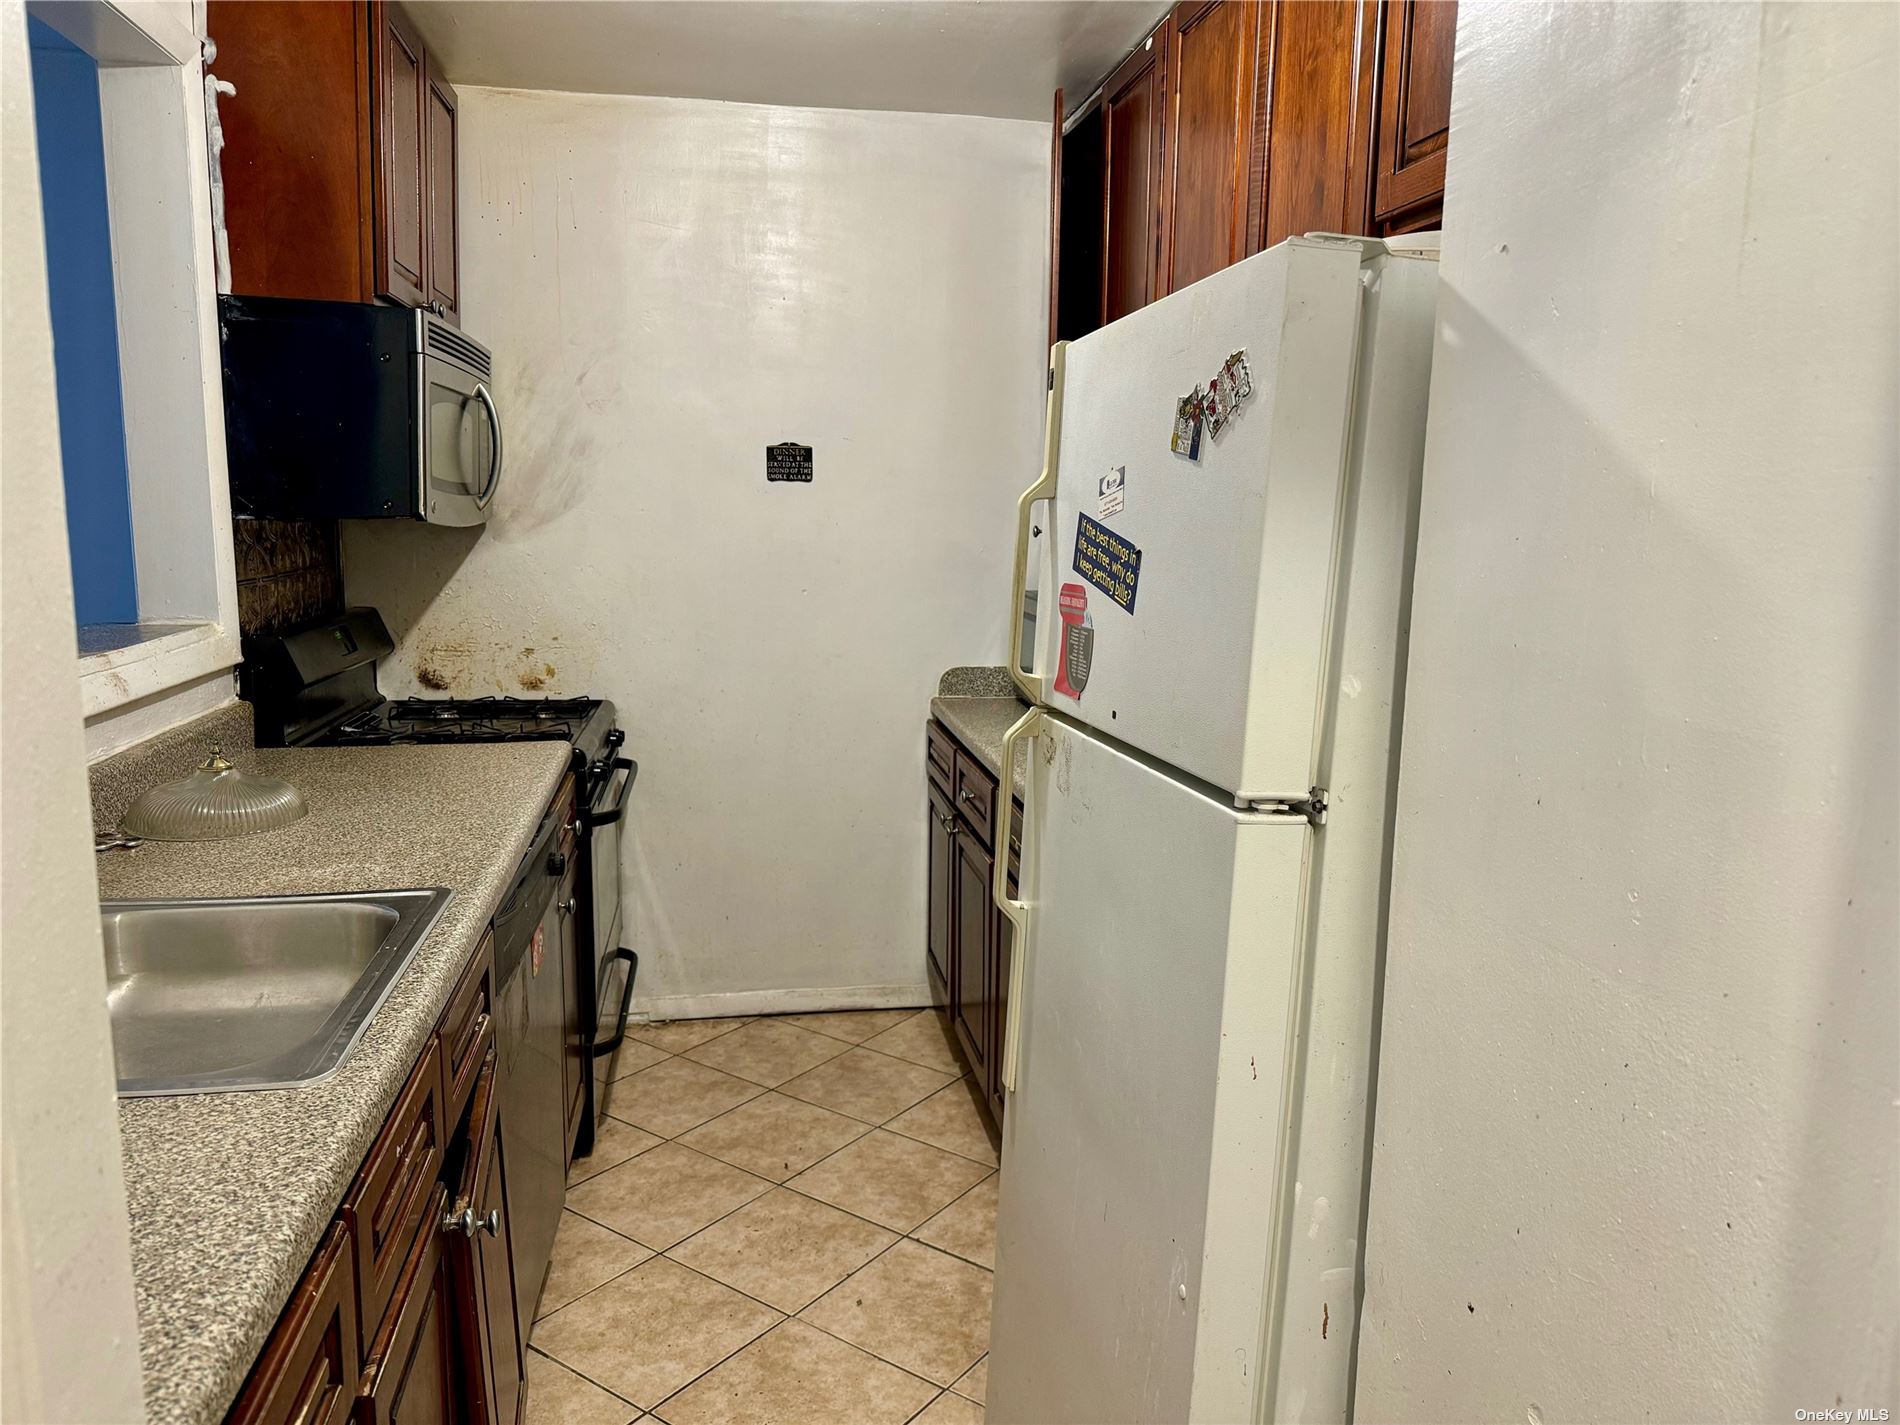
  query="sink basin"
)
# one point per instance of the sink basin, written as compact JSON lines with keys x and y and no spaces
{"x":269,"y":992}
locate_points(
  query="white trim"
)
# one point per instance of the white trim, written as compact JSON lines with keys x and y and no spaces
{"x":158,"y":188}
{"x":151,"y":103}
{"x":108,"y":681}
{"x":147,"y":717}
{"x":137,"y":32}
{"x":748,"y":1002}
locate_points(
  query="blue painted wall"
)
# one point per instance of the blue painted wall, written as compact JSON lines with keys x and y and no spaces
{"x":85,"y":328}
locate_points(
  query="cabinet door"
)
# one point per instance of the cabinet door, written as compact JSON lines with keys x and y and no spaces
{"x":943,"y":859}
{"x":402,"y":199}
{"x":296,"y":143}
{"x":409,"y":1377}
{"x":439,"y":137}
{"x":573,"y":1065}
{"x":1133,"y":102}
{"x":307,"y":1372}
{"x":1316,"y":100}
{"x":1414,"y":111}
{"x":481,"y":1267}
{"x":972,"y":990}
{"x":1211,"y":47}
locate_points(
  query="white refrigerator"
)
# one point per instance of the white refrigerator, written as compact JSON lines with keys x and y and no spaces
{"x":1212,"y":753}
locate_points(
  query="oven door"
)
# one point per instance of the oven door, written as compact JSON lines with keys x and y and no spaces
{"x":459,"y":458}
{"x":605,"y":819}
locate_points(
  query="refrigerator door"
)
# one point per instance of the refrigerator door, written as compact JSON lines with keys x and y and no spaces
{"x":1142,"y":1157}
{"x":1206,"y":648}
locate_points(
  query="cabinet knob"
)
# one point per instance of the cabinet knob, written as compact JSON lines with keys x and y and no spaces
{"x":948,"y":823}
{"x":557,"y":863}
{"x":468,"y":1224}
{"x":568,"y":906}
{"x":964,"y":794}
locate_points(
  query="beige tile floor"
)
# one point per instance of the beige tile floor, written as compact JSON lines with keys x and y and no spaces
{"x":784,"y":1220}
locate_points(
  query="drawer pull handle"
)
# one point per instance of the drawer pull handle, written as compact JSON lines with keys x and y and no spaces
{"x":468,"y":1224}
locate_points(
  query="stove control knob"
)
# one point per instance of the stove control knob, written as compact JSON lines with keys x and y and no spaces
{"x":557,"y":862}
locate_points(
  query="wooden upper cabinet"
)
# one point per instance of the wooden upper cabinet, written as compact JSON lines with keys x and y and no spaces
{"x":402,"y":160}
{"x":1211,"y":49}
{"x":1414,"y":112}
{"x":1316,"y":113}
{"x":1133,"y":115}
{"x":339,"y":158}
{"x":438,"y":131}
{"x":296,"y":160}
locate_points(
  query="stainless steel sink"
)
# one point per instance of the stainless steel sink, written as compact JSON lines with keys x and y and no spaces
{"x":269,"y":992}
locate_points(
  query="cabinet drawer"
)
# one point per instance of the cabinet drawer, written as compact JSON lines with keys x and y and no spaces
{"x":387,"y":1204}
{"x":307,"y":1372}
{"x":466,"y":1030}
{"x":940,"y":758}
{"x":976,"y":795}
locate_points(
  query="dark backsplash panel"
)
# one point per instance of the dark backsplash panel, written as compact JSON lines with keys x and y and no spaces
{"x":289,"y":572}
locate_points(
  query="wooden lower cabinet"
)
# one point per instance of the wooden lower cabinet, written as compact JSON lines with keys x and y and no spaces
{"x":970,"y":1011}
{"x":308,"y":1372}
{"x":481,"y":1267}
{"x":411,"y":1376}
{"x":968,"y":945}
{"x":942,"y":836}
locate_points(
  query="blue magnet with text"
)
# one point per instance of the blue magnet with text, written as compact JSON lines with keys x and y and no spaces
{"x":1107,"y":561}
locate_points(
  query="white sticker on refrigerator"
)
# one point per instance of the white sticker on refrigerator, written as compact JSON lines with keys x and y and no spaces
{"x":1110,"y":489}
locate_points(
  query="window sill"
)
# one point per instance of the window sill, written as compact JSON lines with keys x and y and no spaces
{"x":124,"y":663}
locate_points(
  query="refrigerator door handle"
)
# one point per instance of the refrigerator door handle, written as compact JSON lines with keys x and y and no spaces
{"x":1032,"y":683}
{"x":1029,"y":725}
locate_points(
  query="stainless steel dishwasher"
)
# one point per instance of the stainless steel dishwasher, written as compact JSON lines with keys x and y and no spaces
{"x":528,"y":1002}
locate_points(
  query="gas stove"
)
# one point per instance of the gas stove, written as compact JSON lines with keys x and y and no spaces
{"x":317,"y":688}
{"x":412,"y":720}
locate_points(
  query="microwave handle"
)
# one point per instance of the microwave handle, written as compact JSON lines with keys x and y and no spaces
{"x":494,"y":426}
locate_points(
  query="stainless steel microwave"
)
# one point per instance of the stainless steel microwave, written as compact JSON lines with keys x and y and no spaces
{"x":348,"y":410}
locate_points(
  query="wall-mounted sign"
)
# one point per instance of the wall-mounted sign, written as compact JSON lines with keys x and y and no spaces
{"x":789,"y":461}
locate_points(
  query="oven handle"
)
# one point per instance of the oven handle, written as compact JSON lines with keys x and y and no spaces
{"x":603,"y":1049}
{"x":619,"y":808}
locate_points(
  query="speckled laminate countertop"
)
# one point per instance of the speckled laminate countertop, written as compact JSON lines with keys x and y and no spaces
{"x":229,"y":1194}
{"x":979,"y":724}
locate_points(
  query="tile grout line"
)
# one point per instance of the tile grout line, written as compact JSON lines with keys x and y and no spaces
{"x":784,"y":1316}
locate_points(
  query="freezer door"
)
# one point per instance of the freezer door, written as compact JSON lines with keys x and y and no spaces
{"x":1208,"y":657}
{"x":1142,"y":1147}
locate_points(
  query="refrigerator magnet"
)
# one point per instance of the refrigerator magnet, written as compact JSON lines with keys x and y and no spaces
{"x":1076,"y":650}
{"x":1240,"y":375}
{"x":1186,"y":439}
{"x":1220,"y":404}
{"x":1107,"y":561}
{"x":1109,"y":492}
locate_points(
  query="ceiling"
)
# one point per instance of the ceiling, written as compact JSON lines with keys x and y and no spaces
{"x":1001,"y":58}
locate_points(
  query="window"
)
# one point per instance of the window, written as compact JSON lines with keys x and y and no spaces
{"x":120,"y":111}
{"x":85,"y":327}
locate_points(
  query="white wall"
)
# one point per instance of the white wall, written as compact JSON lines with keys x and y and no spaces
{"x":670,"y":286}
{"x":1636,"y":1139}
{"x":68,"y":1351}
